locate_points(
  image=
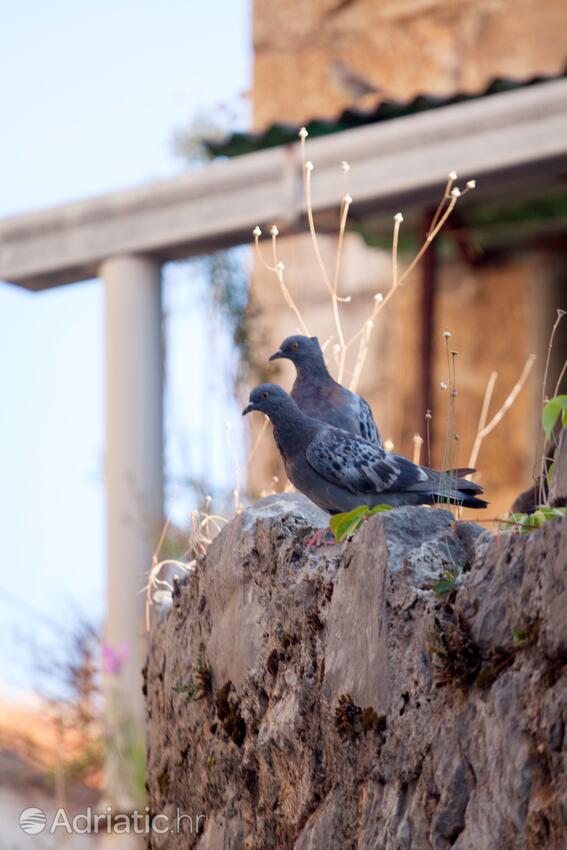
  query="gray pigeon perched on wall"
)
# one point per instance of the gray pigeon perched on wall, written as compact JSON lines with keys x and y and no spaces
{"x":320,"y":396}
{"x":339,"y":471}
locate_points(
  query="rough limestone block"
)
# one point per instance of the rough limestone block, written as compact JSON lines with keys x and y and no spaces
{"x":320,"y":717}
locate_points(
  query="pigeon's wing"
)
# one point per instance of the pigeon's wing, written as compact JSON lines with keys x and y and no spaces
{"x":357,"y":465}
{"x":368,"y":428}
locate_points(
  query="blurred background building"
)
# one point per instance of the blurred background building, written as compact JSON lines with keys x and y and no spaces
{"x":496,"y":275}
{"x":182,"y":320}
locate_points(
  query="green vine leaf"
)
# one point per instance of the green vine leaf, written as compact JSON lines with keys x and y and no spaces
{"x":552,"y":410}
{"x":528,"y":522}
{"x":345,"y":524}
{"x":379,"y":509}
{"x":446,"y":584}
{"x":520,"y":637}
{"x":189,"y":690}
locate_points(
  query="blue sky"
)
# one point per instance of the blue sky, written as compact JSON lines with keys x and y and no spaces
{"x":91,"y":95}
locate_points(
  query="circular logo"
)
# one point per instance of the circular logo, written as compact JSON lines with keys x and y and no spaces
{"x":33,"y":821}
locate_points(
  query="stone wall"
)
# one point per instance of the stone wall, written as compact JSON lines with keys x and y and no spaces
{"x":330,"y":700}
{"x":403,"y":48}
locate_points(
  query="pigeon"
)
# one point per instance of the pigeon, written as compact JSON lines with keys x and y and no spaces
{"x":340,"y":471}
{"x":320,"y":396}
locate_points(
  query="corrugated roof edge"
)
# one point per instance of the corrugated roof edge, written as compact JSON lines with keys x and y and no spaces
{"x":239,"y":143}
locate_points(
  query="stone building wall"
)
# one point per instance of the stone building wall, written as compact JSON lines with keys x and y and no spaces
{"x":302,"y":50}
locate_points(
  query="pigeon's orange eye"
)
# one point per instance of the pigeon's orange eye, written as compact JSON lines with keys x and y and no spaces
{"x":264,"y":395}
{"x":294,"y":346}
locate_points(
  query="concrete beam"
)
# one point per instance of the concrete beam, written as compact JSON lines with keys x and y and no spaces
{"x":501,"y":140}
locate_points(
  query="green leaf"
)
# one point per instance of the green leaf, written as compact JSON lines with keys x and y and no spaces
{"x":551,"y":513}
{"x":552,"y":410}
{"x":520,"y":637}
{"x":517,"y":519}
{"x":527,"y":522}
{"x":549,"y":473}
{"x":343,"y":525}
{"x":537,"y":519}
{"x":379,"y":509}
{"x":185,"y":689}
{"x":445,"y":585}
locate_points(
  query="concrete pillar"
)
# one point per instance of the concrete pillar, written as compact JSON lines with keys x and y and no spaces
{"x":134,"y":495}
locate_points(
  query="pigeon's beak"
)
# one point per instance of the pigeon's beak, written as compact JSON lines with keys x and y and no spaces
{"x":277,"y":355}
{"x":249,"y":409}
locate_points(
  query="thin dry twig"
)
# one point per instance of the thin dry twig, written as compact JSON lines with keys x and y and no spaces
{"x":289,"y":300}
{"x":451,"y":439}
{"x":560,"y":379}
{"x":540,"y":450}
{"x":428,"y":435}
{"x":278,"y":269}
{"x":361,"y":356}
{"x":398,"y":218}
{"x":499,"y":415}
{"x":307,"y":169}
{"x":451,"y":179}
{"x":486,"y":401}
{"x":155,"y":568}
{"x":431,"y":235}
{"x":340,"y":350}
{"x":258,"y":439}
{"x":237,"y":470}
{"x":417,"y":445}
{"x":447,"y":204}
{"x":380,"y":301}
{"x":560,"y":314}
{"x":198,"y":543}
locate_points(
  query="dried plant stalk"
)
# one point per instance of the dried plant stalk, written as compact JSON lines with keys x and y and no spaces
{"x":560,"y":314}
{"x":380,"y":303}
{"x":445,"y":208}
{"x":560,"y":379}
{"x":259,"y":438}
{"x":340,"y":350}
{"x":361,"y":357}
{"x":540,"y":450}
{"x":417,"y":446}
{"x":451,"y":439}
{"x":499,"y":415}
{"x":198,"y":542}
{"x":307,"y":169}
{"x":278,"y":269}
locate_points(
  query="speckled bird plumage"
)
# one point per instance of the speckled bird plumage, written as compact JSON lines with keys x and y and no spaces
{"x":318,"y":395}
{"x":340,"y":471}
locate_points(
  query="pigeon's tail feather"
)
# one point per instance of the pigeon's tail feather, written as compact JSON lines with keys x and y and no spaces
{"x":459,"y":472}
{"x":459,"y":490}
{"x":459,"y":497}
{"x":449,"y":487}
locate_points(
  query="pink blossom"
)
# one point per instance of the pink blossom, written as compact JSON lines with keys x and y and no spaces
{"x":113,"y":658}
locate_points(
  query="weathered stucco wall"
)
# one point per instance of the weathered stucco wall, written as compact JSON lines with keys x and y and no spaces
{"x":403,"y":48}
{"x":328,"y":699}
